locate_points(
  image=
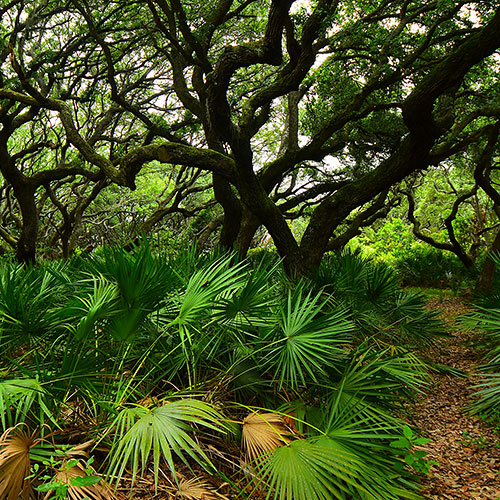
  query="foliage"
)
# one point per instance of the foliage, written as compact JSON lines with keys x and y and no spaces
{"x":415,"y":458}
{"x":160,"y":430}
{"x":415,"y":263}
{"x":486,"y":317}
{"x":370,"y":291}
{"x":156,"y":356}
{"x":120,"y":119}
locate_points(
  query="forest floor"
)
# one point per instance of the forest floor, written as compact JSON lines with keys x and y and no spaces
{"x":466,"y":449}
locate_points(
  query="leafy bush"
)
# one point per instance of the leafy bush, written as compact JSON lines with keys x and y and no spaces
{"x":428,"y":266}
{"x":415,"y":263}
{"x":156,"y":356}
{"x":486,"y":317}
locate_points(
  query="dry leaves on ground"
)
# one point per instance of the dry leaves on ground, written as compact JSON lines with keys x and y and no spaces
{"x":466,"y":449}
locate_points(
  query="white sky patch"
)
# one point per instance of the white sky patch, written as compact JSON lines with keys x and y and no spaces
{"x":301,"y":4}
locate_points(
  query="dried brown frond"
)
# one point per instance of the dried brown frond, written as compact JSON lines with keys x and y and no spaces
{"x":80,"y":450}
{"x":262,"y":433}
{"x":196,"y":489}
{"x":15,"y":444}
{"x":98,"y":491}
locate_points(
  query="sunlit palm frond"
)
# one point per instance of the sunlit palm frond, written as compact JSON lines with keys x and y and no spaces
{"x":384,"y":377}
{"x":162,"y":431}
{"x":86,"y":311}
{"x":22,"y":399}
{"x":252,"y":304}
{"x":311,"y":470}
{"x":327,"y":468}
{"x":205,"y":285}
{"x":196,"y":489}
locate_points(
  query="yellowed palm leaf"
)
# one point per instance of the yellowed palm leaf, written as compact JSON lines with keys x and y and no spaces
{"x":15,"y":463}
{"x":80,"y":450}
{"x":196,"y":489}
{"x":98,"y":491}
{"x":262,"y":433}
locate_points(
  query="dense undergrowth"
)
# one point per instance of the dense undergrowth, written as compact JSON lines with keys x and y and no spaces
{"x":485,"y":318}
{"x":144,"y":362}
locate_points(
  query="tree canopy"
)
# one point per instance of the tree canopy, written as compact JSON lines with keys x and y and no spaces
{"x":280,"y":108}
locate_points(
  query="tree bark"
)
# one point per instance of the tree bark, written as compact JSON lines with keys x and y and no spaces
{"x":26,"y":245}
{"x":249,"y":225}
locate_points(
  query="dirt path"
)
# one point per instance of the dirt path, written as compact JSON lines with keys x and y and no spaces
{"x":467,"y":450}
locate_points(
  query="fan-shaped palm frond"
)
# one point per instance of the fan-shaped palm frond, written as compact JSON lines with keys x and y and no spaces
{"x":412,"y":322}
{"x":322,"y":469}
{"x":87,"y":310}
{"x":305,"y":339}
{"x":205,"y":285}
{"x":161,"y":430}
{"x":487,"y":393}
{"x":28,"y":303}
{"x":382,"y":376}
{"x":262,"y":433}
{"x":196,"y":489}
{"x":252,"y":304}
{"x":15,"y":444}
{"x":22,"y":399}
{"x":142,"y":277}
{"x":372,"y":295}
{"x":349,"y":457}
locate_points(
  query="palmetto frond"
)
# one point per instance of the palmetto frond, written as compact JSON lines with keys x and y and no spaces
{"x":349,"y":458}
{"x":28,"y":303}
{"x":218,"y":278}
{"x":251,"y":305}
{"x":161,"y":431}
{"x":378,"y":306}
{"x":15,"y":444}
{"x":86,"y":311}
{"x":21,"y":399}
{"x":306,"y":339}
{"x":262,"y":433}
{"x":323,"y":469}
{"x":196,"y":489}
{"x":487,"y":392}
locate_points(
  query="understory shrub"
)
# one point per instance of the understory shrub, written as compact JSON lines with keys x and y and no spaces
{"x":415,"y":263}
{"x":162,"y":359}
{"x":427,"y":266}
{"x":486,"y":319}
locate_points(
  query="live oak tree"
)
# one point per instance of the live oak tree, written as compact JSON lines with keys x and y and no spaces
{"x":316,"y":107}
{"x":47,"y":180}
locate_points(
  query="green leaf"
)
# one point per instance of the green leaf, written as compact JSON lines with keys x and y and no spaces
{"x":81,"y":481}
{"x":305,"y":338}
{"x":400,"y":443}
{"x":421,"y":441}
{"x":407,"y":432}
